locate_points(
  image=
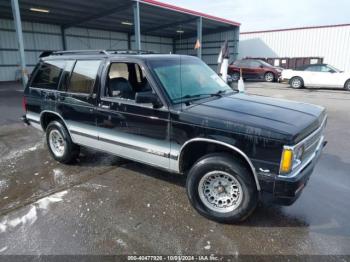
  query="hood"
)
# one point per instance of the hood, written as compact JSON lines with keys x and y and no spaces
{"x":257,"y":115}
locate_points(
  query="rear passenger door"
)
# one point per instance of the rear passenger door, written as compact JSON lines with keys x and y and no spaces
{"x":76,"y":101}
{"x":246,"y":71}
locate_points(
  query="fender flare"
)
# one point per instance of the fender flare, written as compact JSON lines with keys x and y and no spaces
{"x":235,"y":149}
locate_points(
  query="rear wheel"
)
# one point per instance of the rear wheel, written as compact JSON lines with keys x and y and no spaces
{"x":235,"y":76}
{"x":221,"y":189}
{"x":296,"y":82}
{"x":269,"y":77}
{"x":347,"y":85}
{"x":60,"y":143}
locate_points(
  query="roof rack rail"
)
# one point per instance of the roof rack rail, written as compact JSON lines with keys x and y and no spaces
{"x":80,"y":52}
{"x":128,"y":51}
{"x":97,"y":52}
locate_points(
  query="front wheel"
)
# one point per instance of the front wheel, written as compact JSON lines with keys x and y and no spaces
{"x":296,"y":82}
{"x":60,"y":143}
{"x":221,"y":188}
{"x":235,"y":76}
{"x":269,"y":77}
{"x":347,"y":85}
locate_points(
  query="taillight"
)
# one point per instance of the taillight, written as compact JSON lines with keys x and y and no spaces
{"x":24,"y":104}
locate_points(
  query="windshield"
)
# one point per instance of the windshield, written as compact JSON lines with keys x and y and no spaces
{"x":186,"y":78}
{"x":335,"y":69}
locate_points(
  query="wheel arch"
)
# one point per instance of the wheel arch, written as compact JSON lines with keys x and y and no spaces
{"x":47,"y":116}
{"x":346,"y":81}
{"x":294,"y":76}
{"x":230,"y":148}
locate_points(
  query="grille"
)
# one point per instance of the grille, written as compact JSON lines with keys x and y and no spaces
{"x":312,"y":141}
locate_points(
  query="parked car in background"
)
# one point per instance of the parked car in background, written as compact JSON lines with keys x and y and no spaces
{"x":317,"y":75}
{"x":254,"y":69}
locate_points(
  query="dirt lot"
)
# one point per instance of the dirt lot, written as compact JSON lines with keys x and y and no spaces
{"x":107,"y":205}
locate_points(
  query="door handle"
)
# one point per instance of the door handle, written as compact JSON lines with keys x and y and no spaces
{"x":105,"y":107}
{"x":51,"y":96}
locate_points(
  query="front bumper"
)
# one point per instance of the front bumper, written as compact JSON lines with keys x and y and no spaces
{"x":285,"y":190}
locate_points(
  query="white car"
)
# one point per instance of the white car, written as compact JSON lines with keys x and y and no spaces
{"x":317,"y":75}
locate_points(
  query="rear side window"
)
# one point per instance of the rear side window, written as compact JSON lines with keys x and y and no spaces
{"x":66,"y":75}
{"x":254,"y":64}
{"x":84,"y":76}
{"x":48,"y":75}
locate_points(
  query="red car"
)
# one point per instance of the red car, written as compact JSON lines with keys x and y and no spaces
{"x":254,"y":69}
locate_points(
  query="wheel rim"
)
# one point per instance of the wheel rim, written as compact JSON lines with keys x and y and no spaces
{"x":220,"y":191}
{"x":57,"y":143}
{"x":235,"y":77}
{"x":296,"y":83}
{"x":269,"y":77}
{"x":348,"y":86}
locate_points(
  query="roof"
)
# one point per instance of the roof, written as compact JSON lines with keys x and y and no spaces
{"x":156,"y":18}
{"x":295,"y":28}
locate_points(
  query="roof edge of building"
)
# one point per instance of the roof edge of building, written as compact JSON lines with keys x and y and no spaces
{"x":188,"y":11}
{"x":294,"y":28}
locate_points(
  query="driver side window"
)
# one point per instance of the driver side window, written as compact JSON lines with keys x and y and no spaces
{"x":124,"y":80}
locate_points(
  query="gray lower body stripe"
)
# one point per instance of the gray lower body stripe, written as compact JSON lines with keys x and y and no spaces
{"x":83,"y":134}
{"x":142,"y":149}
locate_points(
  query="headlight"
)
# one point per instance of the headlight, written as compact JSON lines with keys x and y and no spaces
{"x":291,"y":158}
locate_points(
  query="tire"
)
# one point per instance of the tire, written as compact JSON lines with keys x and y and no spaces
{"x":347,"y":85}
{"x":237,"y":202}
{"x":269,"y":77}
{"x":296,"y":82}
{"x":235,"y":76}
{"x":60,"y":143}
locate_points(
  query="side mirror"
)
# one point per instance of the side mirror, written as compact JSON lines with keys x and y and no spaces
{"x":148,"y":97}
{"x":261,"y":66}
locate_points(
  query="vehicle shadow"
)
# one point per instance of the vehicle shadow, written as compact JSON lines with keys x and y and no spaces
{"x":314,"y":210}
{"x":265,"y":215}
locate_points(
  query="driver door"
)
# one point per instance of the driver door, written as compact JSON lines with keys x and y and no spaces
{"x":132,"y":130}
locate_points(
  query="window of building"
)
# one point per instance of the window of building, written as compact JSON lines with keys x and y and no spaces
{"x":84,"y":76}
{"x":48,"y":75}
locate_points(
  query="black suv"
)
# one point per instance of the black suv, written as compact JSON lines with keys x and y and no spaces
{"x":173,"y":112}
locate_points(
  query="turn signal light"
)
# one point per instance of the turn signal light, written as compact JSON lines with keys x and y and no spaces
{"x":287,"y":161}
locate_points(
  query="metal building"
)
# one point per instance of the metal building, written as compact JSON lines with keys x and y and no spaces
{"x":106,"y":24}
{"x":332,"y":43}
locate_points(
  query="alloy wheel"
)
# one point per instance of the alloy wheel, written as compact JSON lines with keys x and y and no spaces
{"x":220,"y":191}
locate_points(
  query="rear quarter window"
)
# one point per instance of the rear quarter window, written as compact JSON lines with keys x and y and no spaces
{"x":84,"y":76}
{"x":48,"y":75}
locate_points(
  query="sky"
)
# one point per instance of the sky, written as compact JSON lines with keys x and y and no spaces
{"x":257,"y":15}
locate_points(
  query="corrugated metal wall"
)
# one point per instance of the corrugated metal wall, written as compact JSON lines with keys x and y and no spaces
{"x":211,"y":45}
{"x":37,"y":38}
{"x":331,"y":43}
{"x":155,"y":43}
{"x":41,"y":37}
{"x":83,"y":38}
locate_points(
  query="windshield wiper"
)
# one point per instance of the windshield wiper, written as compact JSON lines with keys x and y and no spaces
{"x":190,"y":98}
